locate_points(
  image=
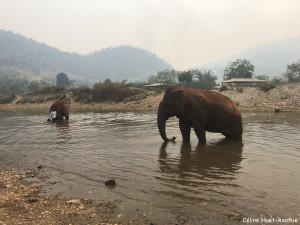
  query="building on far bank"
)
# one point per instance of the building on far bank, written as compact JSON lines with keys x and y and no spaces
{"x":156,"y":86}
{"x":243,"y":82}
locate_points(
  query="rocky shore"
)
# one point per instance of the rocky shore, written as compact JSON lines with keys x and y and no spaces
{"x":21,"y":203}
{"x":285,"y":98}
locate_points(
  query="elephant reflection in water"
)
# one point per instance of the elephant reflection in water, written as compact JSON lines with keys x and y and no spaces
{"x":63,"y":130}
{"x":219,"y":161}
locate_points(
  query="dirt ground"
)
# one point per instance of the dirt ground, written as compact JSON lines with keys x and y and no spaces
{"x":20,"y":203}
{"x":283,"y":98}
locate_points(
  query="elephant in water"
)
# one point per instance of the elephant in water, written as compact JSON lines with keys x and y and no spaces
{"x":62,"y":109}
{"x":203,"y":110}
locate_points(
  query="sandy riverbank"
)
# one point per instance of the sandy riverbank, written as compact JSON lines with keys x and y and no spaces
{"x":284,"y":98}
{"x":21,"y":203}
{"x":148,"y":104}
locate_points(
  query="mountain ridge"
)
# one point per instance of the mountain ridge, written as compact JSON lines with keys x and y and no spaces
{"x":269,"y":59}
{"x":22,"y":56}
{"x":25,"y":57}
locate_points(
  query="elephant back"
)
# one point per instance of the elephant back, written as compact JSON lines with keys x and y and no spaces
{"x":60,"y":105}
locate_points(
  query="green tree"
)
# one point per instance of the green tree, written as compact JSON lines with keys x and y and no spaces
{"x":152,"y":79}
{"x":166,"y":76}
{"x":107,"y":81}
{"x":33,"y":86}
{"x":13,"y":85}
{"x":262,"y":77}
{"x":277,"y":80}
{"x":204,"y":79}
{"x":241,"y":68}
{"x":62,"y":80}
{"x":292,"y":73}
{"x":186,"y":77}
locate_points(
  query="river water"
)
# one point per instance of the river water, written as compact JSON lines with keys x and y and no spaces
{"x":256,"y":178}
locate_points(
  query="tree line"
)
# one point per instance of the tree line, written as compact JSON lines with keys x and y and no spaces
{"x":242,"y":68}
{"x":192,"y":78}
{"x":205,"y":79}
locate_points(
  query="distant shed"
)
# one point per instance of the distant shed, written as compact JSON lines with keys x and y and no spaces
{"x":156,"y":86}
{"x":243,"y":82}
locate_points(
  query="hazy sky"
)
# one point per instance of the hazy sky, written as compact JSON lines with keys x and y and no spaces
{"x":185,"y":33}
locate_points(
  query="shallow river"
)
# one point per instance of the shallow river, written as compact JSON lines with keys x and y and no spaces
{"x":258,"y":178}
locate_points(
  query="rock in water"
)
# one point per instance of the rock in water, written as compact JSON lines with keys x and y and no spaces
{"x":110,"y":182}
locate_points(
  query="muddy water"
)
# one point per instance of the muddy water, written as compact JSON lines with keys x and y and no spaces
{"x":186,"y":183}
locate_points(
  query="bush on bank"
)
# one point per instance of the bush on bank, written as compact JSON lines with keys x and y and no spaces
{"x":267,"y":86}
{"x":47,"y":93}
{"x":105,"y":92}
{"x":113,"y":92}
{"x":7,"y":98}
{"x":100,"y":92}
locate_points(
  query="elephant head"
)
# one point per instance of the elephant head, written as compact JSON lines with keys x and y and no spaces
{"x":62,"y":109}
{"x":202,"y":110}
{"x":172,"y":104}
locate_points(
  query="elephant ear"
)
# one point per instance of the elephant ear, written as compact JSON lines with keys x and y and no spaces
{"x":66,"y":104}
{"x":181,"y":100}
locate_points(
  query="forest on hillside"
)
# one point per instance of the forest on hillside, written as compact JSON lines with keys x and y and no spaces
{"x":21,"y":56}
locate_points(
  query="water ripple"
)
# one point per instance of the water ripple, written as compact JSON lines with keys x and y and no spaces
{"x":245,"y":177}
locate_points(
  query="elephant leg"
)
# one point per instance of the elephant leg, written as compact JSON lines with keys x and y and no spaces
{"x":59,"y":115}
{"x":200,"y":132}
{"x":185,"y":129}
{"x":67,"y":116}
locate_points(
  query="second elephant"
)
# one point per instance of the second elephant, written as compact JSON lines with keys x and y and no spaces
{"x":62,"y":109}
{"x":203,"y":110}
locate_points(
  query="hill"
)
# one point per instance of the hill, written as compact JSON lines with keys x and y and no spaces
{"x":21,"y":56}
{"x":270,"y":59}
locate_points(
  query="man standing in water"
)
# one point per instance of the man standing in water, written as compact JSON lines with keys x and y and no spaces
{"x":52,"y":116}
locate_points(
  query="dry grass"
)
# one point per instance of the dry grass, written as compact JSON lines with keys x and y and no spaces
{"x":113,"y":92}
{"x":7,"y":98}
{"x":105,"y":92}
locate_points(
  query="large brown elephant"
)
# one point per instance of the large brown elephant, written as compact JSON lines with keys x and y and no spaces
{"x":62,"y":109}
{"x":203,"y":110}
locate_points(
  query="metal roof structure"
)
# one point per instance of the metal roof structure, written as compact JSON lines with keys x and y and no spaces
{"x":243,"y":80}
{"x":156,"y":85}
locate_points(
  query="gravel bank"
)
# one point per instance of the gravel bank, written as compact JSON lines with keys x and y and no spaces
{"x":283,"y":98}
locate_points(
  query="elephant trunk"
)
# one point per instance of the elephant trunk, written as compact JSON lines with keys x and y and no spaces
{"x":162,"y":118}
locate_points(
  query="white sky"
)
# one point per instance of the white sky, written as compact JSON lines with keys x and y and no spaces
{"x":185,"y":33}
